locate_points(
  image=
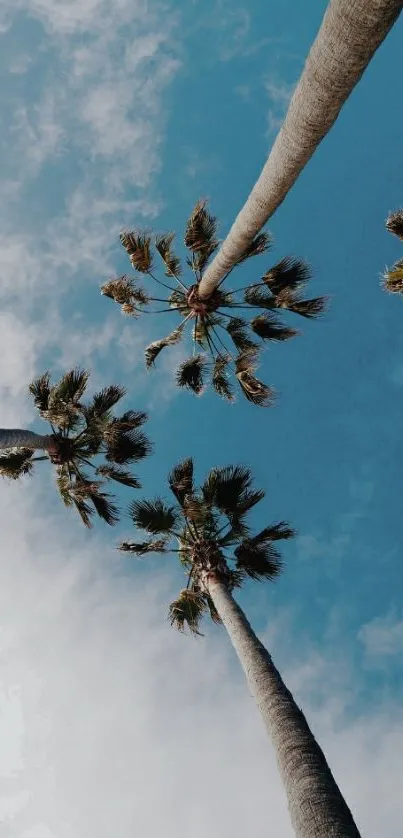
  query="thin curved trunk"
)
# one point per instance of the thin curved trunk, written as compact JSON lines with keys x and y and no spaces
{"x":317,"y":807}
{"x":351,"y":32}
{"x":17,"y":438}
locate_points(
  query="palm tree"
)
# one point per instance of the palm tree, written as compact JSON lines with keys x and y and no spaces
{"x":208,"y":529}
{"x":242,"y":319}
{"x":350,"y":34}
{"x":81,"y":435}
{"x":393,"y":277}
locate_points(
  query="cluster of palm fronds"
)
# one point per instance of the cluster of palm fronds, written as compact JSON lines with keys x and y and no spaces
{"x":393,"y":277}
{"x":212,"y":536}
{"x":81,"y":433}
{"x":245,"y":318}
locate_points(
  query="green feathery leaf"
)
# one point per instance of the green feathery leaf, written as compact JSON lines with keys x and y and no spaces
{"x":187,"y":610}
{"x":393,"y":279}
{"x":154,"y":516}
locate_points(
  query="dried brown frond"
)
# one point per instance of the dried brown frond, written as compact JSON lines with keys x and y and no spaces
{"x":393,"y":279}
{"x":138,"y":248}
{"x":254,"y":390}
{"x":200,"y":235}
{"x":394,"y":223}
{"x":238,"y":332}
{"x":260,"y":244}
{"x":172,"y":263}
{"x":154,"y":349}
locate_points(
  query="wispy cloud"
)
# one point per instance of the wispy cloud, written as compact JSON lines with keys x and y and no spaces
{"x":279,"y":94}
{"x":383,"y":636}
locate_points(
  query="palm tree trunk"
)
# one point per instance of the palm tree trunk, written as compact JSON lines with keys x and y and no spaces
{"x":317,"y":807}
{"x":351,"y":32}
{"x":17,"y":438}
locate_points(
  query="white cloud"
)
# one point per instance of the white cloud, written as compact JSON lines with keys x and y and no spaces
{"x":382,"y":636}
{"x":279,"y":93}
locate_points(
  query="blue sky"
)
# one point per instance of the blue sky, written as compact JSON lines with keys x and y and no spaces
{"x":127,"y":117}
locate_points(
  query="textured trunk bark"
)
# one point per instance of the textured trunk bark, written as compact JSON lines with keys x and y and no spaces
{"x":17,"y":438}
{"x":317,"y":807}
{"x":351,"y":32}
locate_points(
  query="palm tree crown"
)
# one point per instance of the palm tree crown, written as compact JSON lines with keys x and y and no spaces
{"x":393,"y":277}
{"x":83,"y":435}
{"x":212,"y":536}
{"x":223,"y":316}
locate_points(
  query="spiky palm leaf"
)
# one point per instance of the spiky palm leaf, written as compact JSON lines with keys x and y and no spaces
{"x":190,"y":373}
{"x":14,"y":464}
{"x":260,"y":244}
{"x":154,"y":349}
{"x":163,"y":245}
{"x":40,"y":390}
{"x":393,"y":279}
{"x":394,"y":223}
{"x":258,"y":561}
{"x":187,"y":611}
{"x":154,"y":516}
{"x":180,"y":480}
{"x":141,"y":548}
{"x":126,"y":447}
{"x":237,"y":329}
{"x":200,"y":235}
{"x":291,"y":301}
{"x":220,"y":379}
{"x":289,"y":274}
{"x":255,"y":391}
{"x":119,"y":475}
{"x":267,"y":327}
{"x":138,"y":249}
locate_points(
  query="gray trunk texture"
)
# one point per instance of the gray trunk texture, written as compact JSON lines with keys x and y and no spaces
{"x":17,"y":438}
{"x":317,"y":807}
{"x":351,"y":32}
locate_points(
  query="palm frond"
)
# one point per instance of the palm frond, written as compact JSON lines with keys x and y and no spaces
{"x":306,"y":308}
{"x":154,"y":516}
{"x":70,"y":497}
{"x":142,"y":548}
{"x":260,"y":244}
{"x":15,"y":464}
{"x":119,"y":475}
{"x":187,"y":611}
{"x":40,"y":390}
{"x":104,"y":507}
{"x":180,"y":480}
{"x":281,"y":531}
{"x":138,"y":248}
{"x":259,"y":296}
{"x":212,"y":609}
{"x":124,"y":447}
{"x":267,"y":327}
{"x":238,"y":332}
{"x":190,"y":373}
{"x":393,"y":279}
{"x":258,"y":561}
{"x":154,"y":348}
{"x":70,"y":388}
{"x":394,"y":223}
{"x":131,"y":419}
{"x":289,"y":273}
{"x":195,"y":510}
{"x":200,"y":235}
{"x":254,"y":390}
{"x":172,"y":263}
{"x":220,"y":379}
{"x":225,"y":488}
{"x":127,"y":293}
{"x":102,"y":402}
{"x":177,"y":300}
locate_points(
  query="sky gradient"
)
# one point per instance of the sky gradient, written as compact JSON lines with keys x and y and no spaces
{"x":109,"y":721}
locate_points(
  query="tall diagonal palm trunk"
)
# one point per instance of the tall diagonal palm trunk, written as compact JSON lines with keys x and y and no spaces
{"x":17,"y":438}
{"x":351,"y":32}
{"x":317,"y":807}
